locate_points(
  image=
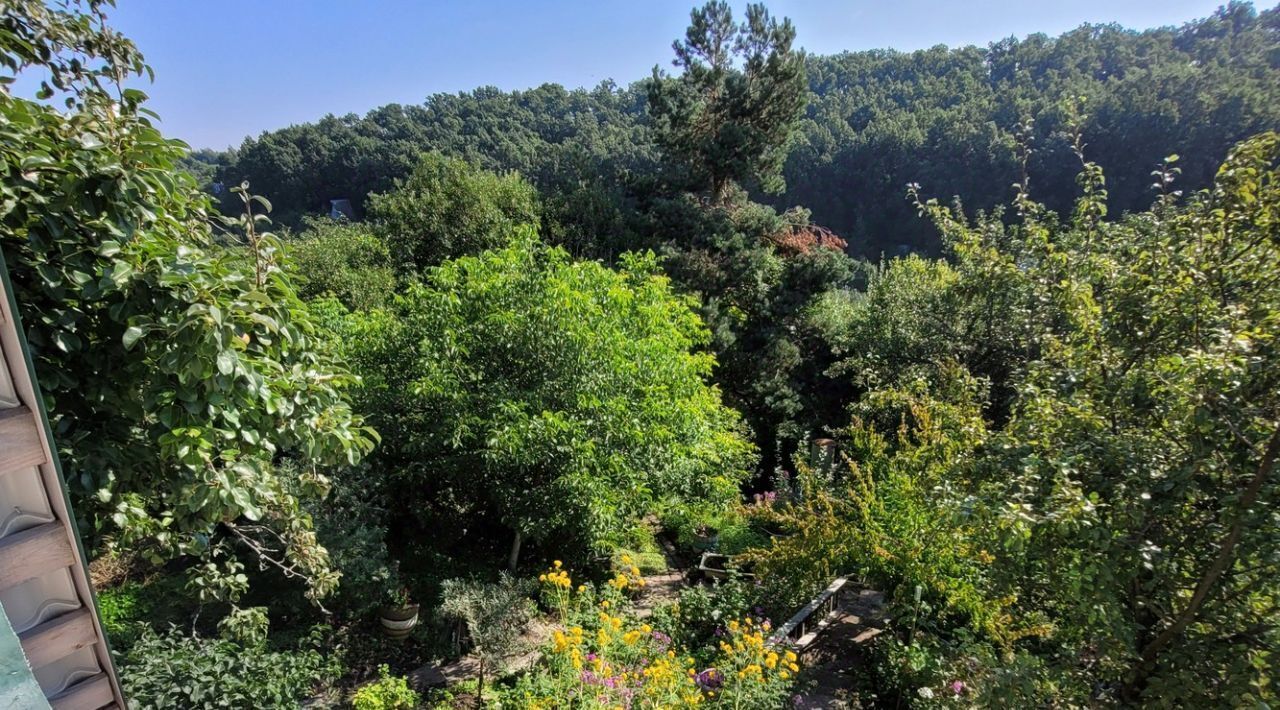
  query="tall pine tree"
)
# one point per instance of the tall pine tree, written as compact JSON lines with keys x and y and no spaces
{"x":729,"y":115}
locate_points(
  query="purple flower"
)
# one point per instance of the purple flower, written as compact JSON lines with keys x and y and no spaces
{"x":957,"y":687}
{"x":710,"y":679}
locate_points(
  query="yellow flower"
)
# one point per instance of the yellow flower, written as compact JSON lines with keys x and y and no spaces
{"x":558,"y":564}
{"x":784,"y":675}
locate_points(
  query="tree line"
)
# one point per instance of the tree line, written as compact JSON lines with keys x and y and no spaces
{"x":947,"y":118}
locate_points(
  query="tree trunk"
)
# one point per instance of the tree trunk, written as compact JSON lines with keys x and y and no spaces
{"x":480,"y":680}
{"x":514,"y":559}
{"x":1222,"y":561}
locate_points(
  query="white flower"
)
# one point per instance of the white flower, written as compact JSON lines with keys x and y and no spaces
{"x":926,"y":693}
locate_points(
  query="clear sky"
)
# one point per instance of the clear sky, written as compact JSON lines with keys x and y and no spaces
{"x":232,"y":68}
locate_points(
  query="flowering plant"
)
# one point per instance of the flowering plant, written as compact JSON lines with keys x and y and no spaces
{"x":607,"y":658}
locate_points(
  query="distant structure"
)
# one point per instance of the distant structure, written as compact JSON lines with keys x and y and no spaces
{"x":341,"y":209}
{"x":801,"y":240}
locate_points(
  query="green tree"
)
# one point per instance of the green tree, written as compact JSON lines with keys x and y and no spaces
{"x":1110,"y":538}
{"x":341,"y":259}
{"x":449,"y":208}
{"x":729,"y":116}
{"x":176,"y":367}
{"x":554,"y":400}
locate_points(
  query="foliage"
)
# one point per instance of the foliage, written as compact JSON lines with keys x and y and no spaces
{"x":176,"y":369}
{"x":1150,"y":419}
{"x":698,"y":616}
{"x":1112,"y":540}
{"x":342,"y":260}
{"x":246,"y":626}
{"x":172,"y":670}
{"x":729,"y":115}
{"x":646,"y":562}
{"x":495,"y":616}
{"x":611,"y":175}
{"x":556,"y":399}
{"x":605,"y":658}
{"x":121,"y":609}
{"x":386,"y":693}
{"x":352,"y":524}
{"x":449,"y":208}
{"x":873,"y":121}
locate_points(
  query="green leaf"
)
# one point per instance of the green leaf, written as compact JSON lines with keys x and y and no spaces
{"x":226,"y":362}
{"x":131,"y":335}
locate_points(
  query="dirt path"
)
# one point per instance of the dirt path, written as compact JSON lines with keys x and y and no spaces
{"x":664,"y":587}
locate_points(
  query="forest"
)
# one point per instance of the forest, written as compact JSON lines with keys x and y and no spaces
{"x":583,"y":397}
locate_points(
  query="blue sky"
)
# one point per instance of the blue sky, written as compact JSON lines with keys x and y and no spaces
{"x":232,"y":68}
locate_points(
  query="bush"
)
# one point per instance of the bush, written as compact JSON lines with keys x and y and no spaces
{"x":120,"y":608}
{"x":173,"y":670}
{"x":738,"y":537}
{"x":701,"y":612}
{"x":343,"y":260}
{"x":387,"y":693}
{"x":646,"y":562}
{"x":351,"y":524}
{"x":606,"y":657}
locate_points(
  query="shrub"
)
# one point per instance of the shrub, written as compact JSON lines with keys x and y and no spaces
{"x":387,"y":693}
{"x":173,"y":670}
{"x":343,"y":260}
{"x":120,"y":608}
{"x":351,"y":524}
{"x":551,"y":398}
{"x":607,"y":658}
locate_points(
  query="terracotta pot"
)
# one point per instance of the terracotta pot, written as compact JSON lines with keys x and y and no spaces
{"x":398,"y":621}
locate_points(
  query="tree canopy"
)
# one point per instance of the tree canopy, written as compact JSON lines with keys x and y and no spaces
{"x":176,"y":367}
{"x":558,"y":399}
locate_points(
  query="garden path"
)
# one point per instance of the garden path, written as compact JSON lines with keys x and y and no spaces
{"x":663,"y":587}
{"x":835,"y":660}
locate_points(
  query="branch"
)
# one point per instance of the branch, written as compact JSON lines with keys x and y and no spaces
{"x":1223,"y":560}
{"x":264,"y":553}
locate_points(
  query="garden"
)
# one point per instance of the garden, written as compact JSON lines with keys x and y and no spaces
{"x":445,"y":456}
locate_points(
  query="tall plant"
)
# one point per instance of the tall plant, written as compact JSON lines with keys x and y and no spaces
{"x":177,"y":365}
{"x":553,"y":399}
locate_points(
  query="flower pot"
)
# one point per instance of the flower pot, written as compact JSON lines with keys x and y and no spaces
{"x":398,"y":621}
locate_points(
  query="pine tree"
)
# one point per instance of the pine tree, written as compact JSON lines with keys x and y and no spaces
{"x":728,"y":117}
